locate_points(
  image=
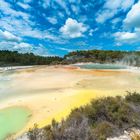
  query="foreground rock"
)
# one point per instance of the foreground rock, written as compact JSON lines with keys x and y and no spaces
{"x":132,"y":134}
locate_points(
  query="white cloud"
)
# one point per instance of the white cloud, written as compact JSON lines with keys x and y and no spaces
{"x":22,"y":45}
{"x":5,"y":35}
{"x":91,"y":31}
{"x":8,"y":11}
{"x":112,"y":4}
{"x":116,"y":20}
{"x":52,"y":20}
{"x":132,"y":21}
{"x":105,"y":15}
{"x":111,"y":8}
{"x":15,"y":46}
{"x":75,"y":8}
{"x":46,"y":3}
{"x":73,"y":29}
{"x":23,"y":5}
{"x":118,"y":4}
{"x":16,"y":25}
{"x":63,"y":4}
{"x":60,"y":14}
{"x":126,"y":37}
{"x":24,"y":29}
{"x":41,"y":50}
{"x":6,"y":45}
{"x":126,"y":4}
{"x":21,"y":24}
{"x":133,"y":17}
{"x":66,"y":49}
{"x":51,"y":37}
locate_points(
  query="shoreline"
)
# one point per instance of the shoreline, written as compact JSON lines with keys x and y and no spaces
{"x":8,"y":68}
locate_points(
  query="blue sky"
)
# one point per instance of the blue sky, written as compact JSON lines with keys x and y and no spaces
{"x":56,"y":27}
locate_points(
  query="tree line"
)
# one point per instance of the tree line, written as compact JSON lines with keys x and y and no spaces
{"x":15,"y":58}
{"x":95,"y":56}
{"x":102,"y":56}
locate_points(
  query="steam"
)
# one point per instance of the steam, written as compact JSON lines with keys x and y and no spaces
{"x":131,"y":60}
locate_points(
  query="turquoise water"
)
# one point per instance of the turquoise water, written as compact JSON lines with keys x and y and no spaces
{"x":12,"y":120}
{"x":100,"y":66}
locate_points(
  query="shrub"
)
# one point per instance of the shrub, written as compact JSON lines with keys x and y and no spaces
{"x":133,"y":97}
{"x":100,"y":119}
{"x":103,"y":130}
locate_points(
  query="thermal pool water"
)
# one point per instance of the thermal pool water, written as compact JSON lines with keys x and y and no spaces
{"x":100,"y":66}
{"x":12,"y":120}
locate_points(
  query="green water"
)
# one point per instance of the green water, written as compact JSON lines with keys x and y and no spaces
{"x":12,"y":120}
{"x":101,"y":66}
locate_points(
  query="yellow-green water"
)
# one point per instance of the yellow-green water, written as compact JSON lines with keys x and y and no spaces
{"x":12,"y":120}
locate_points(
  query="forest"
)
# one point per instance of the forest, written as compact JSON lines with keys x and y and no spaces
{"x":9,"y":58}
{"x":13,"y":58}
{"x":102,"y":56}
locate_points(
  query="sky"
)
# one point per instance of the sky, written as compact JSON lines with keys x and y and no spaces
{"x":57,"y":27}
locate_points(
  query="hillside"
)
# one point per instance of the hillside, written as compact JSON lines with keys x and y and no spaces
{"x":9,"y":58}
{"x":101,"y":56}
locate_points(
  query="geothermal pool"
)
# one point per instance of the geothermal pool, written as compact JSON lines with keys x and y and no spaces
{"x":51,"y":92}
{"x":100,"y":66}
{"x":12,"y":119}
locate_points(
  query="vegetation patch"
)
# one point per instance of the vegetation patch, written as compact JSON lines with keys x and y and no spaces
{"x":10,"y":58}
{"x":102,"y":118}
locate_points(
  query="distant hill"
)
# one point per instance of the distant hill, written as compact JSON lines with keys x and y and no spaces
{"x":102,"y":56}
{"x":8,"y":58}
